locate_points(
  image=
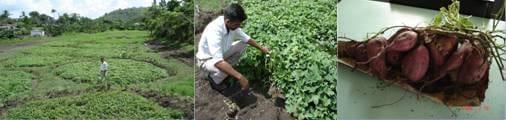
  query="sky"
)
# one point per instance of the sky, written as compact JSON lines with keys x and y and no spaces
{"x":89,"y":8}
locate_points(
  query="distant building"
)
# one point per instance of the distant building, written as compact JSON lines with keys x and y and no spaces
{"x":37,"y":32}
{"x":8,"y":26}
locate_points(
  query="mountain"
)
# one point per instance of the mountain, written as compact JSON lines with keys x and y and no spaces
{"x":128,"y":15}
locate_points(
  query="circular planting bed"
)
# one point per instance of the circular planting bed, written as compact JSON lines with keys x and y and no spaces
{"x":106,"y":105}
{"x":121,"y":71}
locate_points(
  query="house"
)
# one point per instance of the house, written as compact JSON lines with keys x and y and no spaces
{"x":37,"y":32}
{"x":8,"y":26}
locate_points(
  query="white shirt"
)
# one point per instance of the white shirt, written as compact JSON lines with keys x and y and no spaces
{"x":215,"y":39}
{"x":104,"y":66}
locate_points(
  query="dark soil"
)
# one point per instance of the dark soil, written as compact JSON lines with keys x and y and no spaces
{"x":7,"y":105}
{"x":211,"y":104}
{"x":167,"y":101}
{"x":165,"y":51}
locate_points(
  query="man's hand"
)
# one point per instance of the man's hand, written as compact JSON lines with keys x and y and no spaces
{"x":244,"y":84}
{"x":265,"y":50}
{"x":253,"y":43}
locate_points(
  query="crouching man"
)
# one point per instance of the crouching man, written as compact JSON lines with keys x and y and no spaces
{"x":217,"y":51}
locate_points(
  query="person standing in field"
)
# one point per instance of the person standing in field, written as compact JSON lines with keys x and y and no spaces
{"x":103,"y":69}
{"x":217,"y":51}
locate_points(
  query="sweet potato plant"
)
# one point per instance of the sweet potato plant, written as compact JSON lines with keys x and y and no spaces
{"x":301,"y":35}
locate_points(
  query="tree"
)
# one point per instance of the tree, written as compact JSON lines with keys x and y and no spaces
{"x":5,"y":15}
{"x":6,"y":33}
{"x":23,"y":15}
{"x":4,"y":18}
{"x":129,"y":18}
{"x":34,"y":14}
{"x":54,"y":12}
{"x":171,"y":22}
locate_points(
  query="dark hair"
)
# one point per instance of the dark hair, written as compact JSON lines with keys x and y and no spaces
{"x":102,"y":58}
{"x":235,"y":12}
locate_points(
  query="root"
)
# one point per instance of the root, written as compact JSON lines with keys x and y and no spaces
{"x":402,"y":97}
{"x":347,"y":38}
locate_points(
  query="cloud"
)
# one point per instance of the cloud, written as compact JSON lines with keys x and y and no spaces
{"x":89,"y":8}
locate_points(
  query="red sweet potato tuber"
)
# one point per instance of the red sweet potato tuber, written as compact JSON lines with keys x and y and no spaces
{"x":440,"y":48}
{"x":393,"y":57}
{"x":457,"y":58}
{"x":474,"y":68}
{"x":359,"y":52}
{"x":454,"y":62}
{"x":375,"y":52}
{"x":403,"y":42}
{"x":415,"y":64}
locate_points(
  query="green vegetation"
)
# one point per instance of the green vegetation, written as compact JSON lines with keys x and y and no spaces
{"x":125,"y":19}
{"x":34,"y":60}
{"x":23,"y":40}
{"x":66,"y":69}
{"x":212,"y":5}
{"x":13,"y":83}
{"x":57,"y":78}
{"x":121,"y":72}
{"x":302,"y":37}
{"x":171,"y":22}
{"x":107,"y":105}
{"x":121,"y":19}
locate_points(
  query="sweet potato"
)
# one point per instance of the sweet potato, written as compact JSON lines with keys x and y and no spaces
{"x":451,"y":66}
{"x":397,"y":33}
{"x":375,"y":52}
{"x":457,"y":58}
{"x":415,"y":64}
{"x":359,"y":52}
{"x":440,"y":48}
{"x":393,"y":57}
{"x":453,"y":63}
{"x":474,"y":68}
{"x":403,"y":42}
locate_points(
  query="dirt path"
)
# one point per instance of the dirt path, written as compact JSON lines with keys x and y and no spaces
{"x":5,"y":48}
{"x":171,"y":53}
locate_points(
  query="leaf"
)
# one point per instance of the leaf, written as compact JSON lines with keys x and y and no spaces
{"x":315,"y":99}
{"x":437,"y":20}
{"x":304,"y":66}
{"x":330,"y":92}
{"x":449,"y":18}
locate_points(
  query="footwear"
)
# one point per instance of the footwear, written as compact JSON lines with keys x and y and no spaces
{"x":246,"y":93}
